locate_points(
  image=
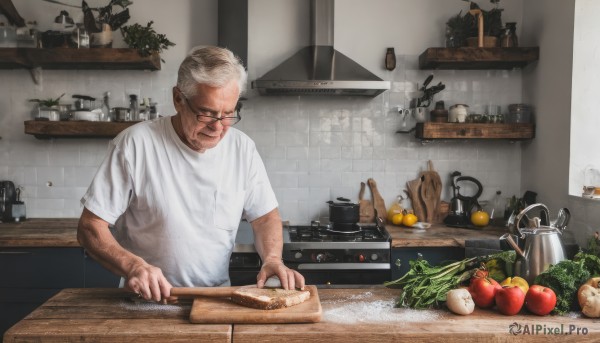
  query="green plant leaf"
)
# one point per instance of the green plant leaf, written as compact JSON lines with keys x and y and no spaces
{"x":145,"y":39}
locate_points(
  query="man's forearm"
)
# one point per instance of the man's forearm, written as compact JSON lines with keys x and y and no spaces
{"x":268,"y":236}
{"x":94,"y":235}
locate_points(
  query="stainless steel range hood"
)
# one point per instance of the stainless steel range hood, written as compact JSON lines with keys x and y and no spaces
{"x":319,"y":69}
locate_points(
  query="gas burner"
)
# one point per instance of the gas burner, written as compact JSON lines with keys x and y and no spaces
{"x":317,"y":232}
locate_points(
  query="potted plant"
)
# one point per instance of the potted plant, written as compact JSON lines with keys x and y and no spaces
{"x":48,"y":109}
{"x":492,"y":24}
{"x":101,"y":21}
{"x":464,"y":30}
{"x":145,"y":39}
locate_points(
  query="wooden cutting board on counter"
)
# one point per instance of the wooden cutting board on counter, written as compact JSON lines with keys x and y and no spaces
{"x":221,"y":310}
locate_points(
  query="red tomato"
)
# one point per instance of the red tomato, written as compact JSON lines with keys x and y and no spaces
{"x":509,"y":300}
{"x":540,"y":300}
{"x":483,"y":290}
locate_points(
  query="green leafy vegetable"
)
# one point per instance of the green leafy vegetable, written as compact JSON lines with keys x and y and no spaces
{"x":566,"y":277}
{"x":425,"y":286}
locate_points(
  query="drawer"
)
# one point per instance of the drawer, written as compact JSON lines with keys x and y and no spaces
{"x":41,"y":267}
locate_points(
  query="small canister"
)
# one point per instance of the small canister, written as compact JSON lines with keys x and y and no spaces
{"x":458,"y":113}
{"x":439,"y":114}
{"x":122,"y":114}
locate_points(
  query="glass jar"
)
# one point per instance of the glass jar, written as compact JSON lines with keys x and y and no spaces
{"x":509,"y":36}
{"x":8,"y":36}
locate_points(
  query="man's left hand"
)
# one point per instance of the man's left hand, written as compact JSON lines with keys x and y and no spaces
{"x":289,"y":278}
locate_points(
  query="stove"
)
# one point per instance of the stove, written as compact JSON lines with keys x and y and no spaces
{"x":338,"y":254}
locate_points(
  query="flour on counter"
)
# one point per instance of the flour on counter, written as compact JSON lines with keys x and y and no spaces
{"x":377,"y":311}
{"x":150,"y":306}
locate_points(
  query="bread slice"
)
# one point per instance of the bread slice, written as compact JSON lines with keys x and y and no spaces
{"x":268,"y":298}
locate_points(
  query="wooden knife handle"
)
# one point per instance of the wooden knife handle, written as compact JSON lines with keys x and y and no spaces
{"x":215,"y":292}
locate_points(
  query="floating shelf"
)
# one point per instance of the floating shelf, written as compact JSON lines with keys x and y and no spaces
{"x":75,"y":129}
{"x":431,"y":130}
{"x":478,"y":58}
{"x":71,"y":58}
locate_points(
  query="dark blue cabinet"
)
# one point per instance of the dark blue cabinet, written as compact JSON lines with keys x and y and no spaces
{"x":30,"y":276}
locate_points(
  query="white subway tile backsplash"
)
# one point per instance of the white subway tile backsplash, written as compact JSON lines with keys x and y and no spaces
{"x":314,"y":148}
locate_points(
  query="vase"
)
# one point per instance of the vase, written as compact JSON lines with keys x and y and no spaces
{"x":102,"y":39}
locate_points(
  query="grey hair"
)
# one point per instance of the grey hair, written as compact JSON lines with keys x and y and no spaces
{"x":210,"y":65}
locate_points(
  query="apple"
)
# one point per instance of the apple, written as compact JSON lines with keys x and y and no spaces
{"x":483,"y":290}
{"x":510,"y":300}
{"x":540,"y":300}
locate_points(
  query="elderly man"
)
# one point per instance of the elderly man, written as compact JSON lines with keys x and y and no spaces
{"x":175,"y":189}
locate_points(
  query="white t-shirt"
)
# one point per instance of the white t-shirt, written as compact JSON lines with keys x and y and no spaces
{"x":177,"y":208}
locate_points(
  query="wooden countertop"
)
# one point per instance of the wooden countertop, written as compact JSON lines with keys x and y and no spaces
{"x":40,"y":232}
{"x":349,"y":315}
{"x":439,"y":235}
{"x":109,"y":315}
{"x":62,"y":232}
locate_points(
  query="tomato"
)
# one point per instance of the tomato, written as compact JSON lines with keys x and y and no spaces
{"x":480,"y":218}
{"x":483,"y":290}
{"x":540,"y":300}
{"x":397,"y":219}
{"x":510,"y":300}
{"x":409,"y":219}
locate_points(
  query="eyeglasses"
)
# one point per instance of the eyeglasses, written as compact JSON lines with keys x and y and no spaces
{"x":206,"y":116}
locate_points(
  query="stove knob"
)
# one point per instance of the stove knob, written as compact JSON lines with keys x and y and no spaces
{"x":320,"y":258}
{"x":298,"y":255}
{"x":374,"y":257}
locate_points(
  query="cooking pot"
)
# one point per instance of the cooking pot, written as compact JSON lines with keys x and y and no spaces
{"x":343,"y":211}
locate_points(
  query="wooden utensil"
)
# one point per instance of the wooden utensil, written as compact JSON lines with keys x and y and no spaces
{"x":212,"y":306}
{"x":413,"y":191}
{"x":190,"y":292}
{"x":365,"y":207}
{"x":430,"y":191}
{"x":378,"y":202}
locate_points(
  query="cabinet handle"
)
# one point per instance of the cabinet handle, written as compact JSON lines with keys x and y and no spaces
{"x":16,"y":253}
{"x":398,"y":263}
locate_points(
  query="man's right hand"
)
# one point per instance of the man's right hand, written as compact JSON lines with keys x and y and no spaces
{"x":149,"y":282}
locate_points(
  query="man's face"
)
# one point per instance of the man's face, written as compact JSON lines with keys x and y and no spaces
{"x":200,"y":132}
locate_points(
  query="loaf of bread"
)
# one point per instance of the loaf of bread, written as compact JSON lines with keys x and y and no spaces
{"x":268,"y":298}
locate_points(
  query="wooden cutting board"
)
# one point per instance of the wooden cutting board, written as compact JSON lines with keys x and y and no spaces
{"x":211,"y":310}
{"x":378,"y":202}
{"x":430,"y":191}
{"x":365,"y":207}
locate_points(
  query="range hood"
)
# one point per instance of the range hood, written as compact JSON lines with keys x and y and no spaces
{"x":319,"y":69}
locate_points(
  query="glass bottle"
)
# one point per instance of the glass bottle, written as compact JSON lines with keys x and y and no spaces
{"x":390,"y":59}
{"x":395,"y":208}
{"x":134,"y":107}
{"x":495,"y":208}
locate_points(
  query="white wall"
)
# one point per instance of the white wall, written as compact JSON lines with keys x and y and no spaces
{"x":315,"y":148}
{"x":584,"y":107}
{"x":545,"y":164}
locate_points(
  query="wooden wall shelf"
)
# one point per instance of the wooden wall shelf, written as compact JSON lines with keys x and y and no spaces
{"x":431,"y":131}
{"x":71,"y":58}
{"x":75,"y":129}
{"x":478,"y":58}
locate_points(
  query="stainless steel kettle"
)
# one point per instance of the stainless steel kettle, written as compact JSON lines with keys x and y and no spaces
{"x":543,"y":245}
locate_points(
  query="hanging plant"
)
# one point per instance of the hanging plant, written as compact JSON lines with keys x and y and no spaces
{"x":145,"y":39}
